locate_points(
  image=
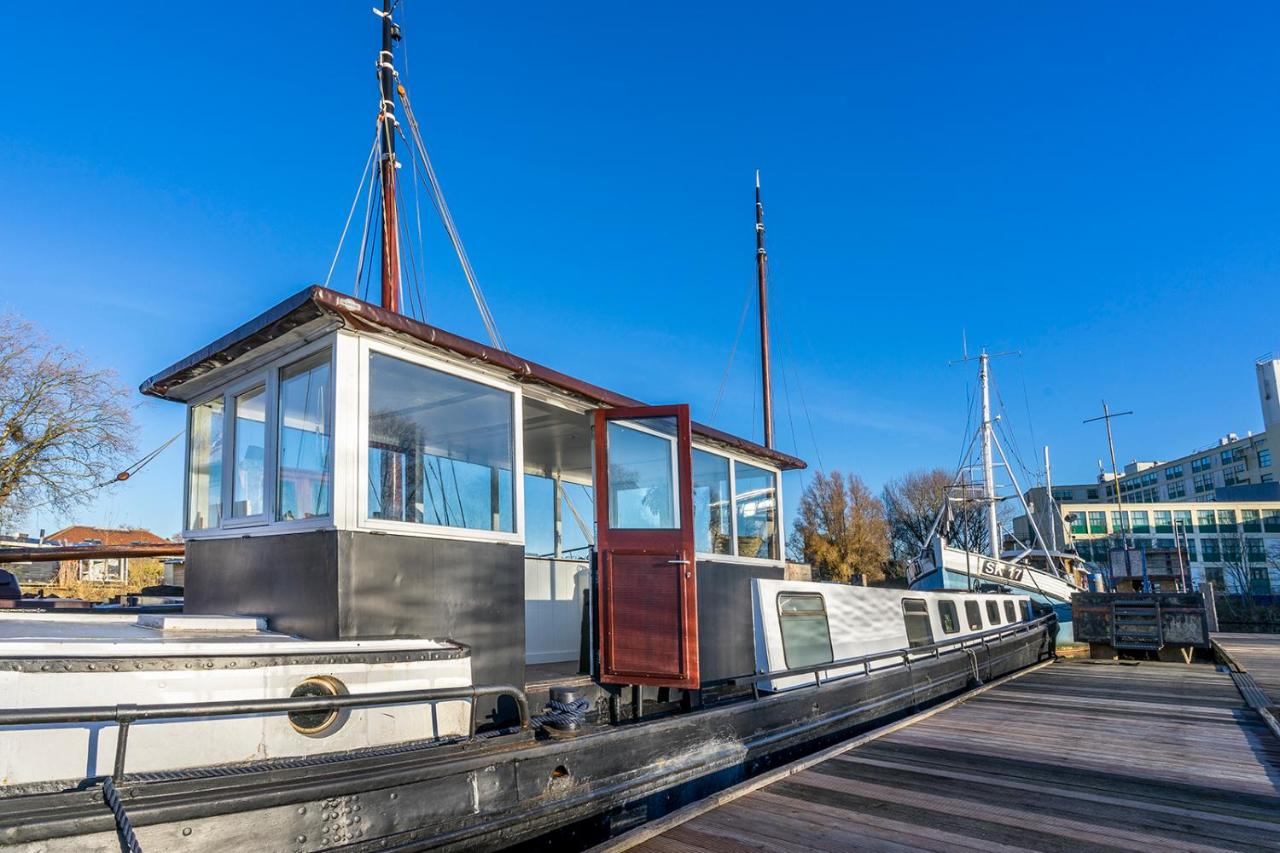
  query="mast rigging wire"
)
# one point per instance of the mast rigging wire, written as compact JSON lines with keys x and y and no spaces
{"x":354,"y":201}
{"x":737,"y":338}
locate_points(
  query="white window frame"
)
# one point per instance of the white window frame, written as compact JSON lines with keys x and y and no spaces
{"x":733,"y":458}
{"x":267,"y":376}
{"x":361,"y":519}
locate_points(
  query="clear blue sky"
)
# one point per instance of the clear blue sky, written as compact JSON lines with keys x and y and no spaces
{"x":1093,"y":184}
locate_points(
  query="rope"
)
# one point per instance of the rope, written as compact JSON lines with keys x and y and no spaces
{"x":724,"y":379}
{"x":350,"y":213}
{"x":123,"y":825}
{"x":563,"y":714}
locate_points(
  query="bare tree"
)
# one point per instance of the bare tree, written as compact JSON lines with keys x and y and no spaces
{"x":64,"y":425}
{"x":840,"y":529}
{"x":912,"y":503}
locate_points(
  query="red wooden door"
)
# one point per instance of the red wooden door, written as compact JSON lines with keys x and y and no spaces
{"x":647,"y":601}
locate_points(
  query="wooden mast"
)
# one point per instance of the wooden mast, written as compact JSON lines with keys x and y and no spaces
{"x":762,"y":282}
{"x":387,"y":164}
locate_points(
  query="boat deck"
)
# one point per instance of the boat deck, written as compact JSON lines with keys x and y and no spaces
{"x":1071,"y":756}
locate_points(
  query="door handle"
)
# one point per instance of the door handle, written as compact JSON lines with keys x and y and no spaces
{"x":678,"y":562}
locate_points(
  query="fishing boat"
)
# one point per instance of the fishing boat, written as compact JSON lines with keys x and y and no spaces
{"x":374,"y":654}
{"x":1047,"y":575}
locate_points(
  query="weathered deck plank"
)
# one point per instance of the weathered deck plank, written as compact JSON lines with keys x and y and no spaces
{"x":1076,"y":756}
{"x":1258,"y":655}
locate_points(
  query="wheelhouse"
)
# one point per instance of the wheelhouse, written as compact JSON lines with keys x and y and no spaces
{"x":353,"y":473}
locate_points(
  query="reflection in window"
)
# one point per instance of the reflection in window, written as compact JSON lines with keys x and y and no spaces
{"x":711,"y":519}
{"x":947,"y":616}
{"x":305,"y":439}
{"x":204,"y":507}
{"x":250,"y":452}
{"x":756,"y":504}
{"x":974,"y":614}
{"x":642,"y":475}
{"x":806,"y":636}
{"x":915,"y":614}
{"x":441,"y":448}
{"x":993,"y":613}
{"x":1010,"y":611}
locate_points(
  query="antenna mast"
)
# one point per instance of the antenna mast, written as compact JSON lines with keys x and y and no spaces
{"x":986,"y":432}
{"x":387,"y":163}
{"x":762,"y":282}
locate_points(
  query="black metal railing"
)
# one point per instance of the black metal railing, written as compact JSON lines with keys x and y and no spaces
{"x":907,"y":656}
{"x":125,"y":715}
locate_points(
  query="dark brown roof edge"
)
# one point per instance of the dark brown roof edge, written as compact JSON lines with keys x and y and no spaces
{"x":363,"y":316}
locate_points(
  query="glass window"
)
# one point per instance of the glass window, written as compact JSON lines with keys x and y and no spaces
{"x":204,"y":490}
{"x":711,"y":517}
{"x":993,"y":613}
{"x":1164,"y":521}
{"x":1264,"y":458}
{"x":250,"y":442}
{"x":915,"y":614}
{"x":1255,"y":550}
{"x":806,"y":636}
{"x":305,"y":439}
{"x":973,"y":614}
{"x":1098,"y":522}
{"x":1138,"y":518}
{"x":1010,"y":611}
{"x":1252,"y":520}
{"x":1182,"y":518}
{"x":642,"y":494}
{"x":1091,"y":494}
{"x":1189,"y":545}
{"x":1271,"y":520}
{"x":1078,"y":524}
{"x":1230,"y":548}
{"x":1177,"y":490}
{"x":1205,"y":521}
{"x":947,"y":616}
{"x":441,"y":448}
{"x":1226,"y":519}
{"x":1209,"y":547}
{"x":756,"y":504}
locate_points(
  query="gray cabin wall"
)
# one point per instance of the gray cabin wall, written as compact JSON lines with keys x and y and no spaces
{"x":343,"y":585}
{"x":726,"y":634}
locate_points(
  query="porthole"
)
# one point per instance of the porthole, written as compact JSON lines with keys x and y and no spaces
{"x":315,"y":723}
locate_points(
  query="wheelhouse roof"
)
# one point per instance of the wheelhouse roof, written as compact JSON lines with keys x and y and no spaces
{"x":316,"y":305}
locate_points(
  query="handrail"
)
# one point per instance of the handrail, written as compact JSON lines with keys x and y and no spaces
{"x":907,"y":654}
{"x":126,"y":715}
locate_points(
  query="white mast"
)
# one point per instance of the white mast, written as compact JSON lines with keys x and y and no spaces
{"x":988,"y":468}
{"x":1048,"y":490}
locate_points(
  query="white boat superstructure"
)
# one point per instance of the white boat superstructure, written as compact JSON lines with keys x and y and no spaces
{"x":806,"y":624}
{"x":52,"y":660}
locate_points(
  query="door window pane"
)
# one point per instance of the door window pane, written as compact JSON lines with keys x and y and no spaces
{"x":441,"y":448}
{"x":204,"y":498}
{"x":642,"y":494}
{"x":711,"y":518}
{"x":250,"y":452}
{"x":915,"y":614}
{"x":806,"y":636}
{"x":756,"y":504}
{"x":305,"y":439}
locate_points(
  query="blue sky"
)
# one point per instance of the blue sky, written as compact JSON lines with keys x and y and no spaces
{"x":1090,"y":184}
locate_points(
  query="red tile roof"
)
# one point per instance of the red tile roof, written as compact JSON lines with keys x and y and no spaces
{"x":79,"y":533}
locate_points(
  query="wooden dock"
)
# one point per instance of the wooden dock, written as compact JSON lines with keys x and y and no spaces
{"x":1074,"y":756}
{"x":1257,"y":654}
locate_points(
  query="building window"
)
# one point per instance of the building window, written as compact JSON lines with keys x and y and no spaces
{"x":1206,"y":521}
{"x":1203,"y":483}
{"x":1119,"y":521}
{"x":1164,"y":544}
{"x":1190,"y":546}
{"x":1182,"y":518}
{"x":806,"y":635}
{"x":1173,"y":472}
{"x":1251,"y":520}
{"x":1234,"y":475}
{"x":947,"y":616}
{"x":204,"y":466}
{"x":1209,"y":547}
{"x":248,"y":462}
{"x":1230,"y":549}
{"x":915,"y":614}
{"x":1098,"y":522}
{"x":711,"y":515}
{"x":1204,"y":463}
{"x":1255,"y":549}
{"x":1271,"y":520}
{"x":973,"y":614}
{"x":1078,"y":523}
{"x":1064,"y":495}
{"x":755,"y":502}
{"x":1226,"y":519}
{"x":1215,"y":576}
{"x":1138,"y":519}
{"x":1092,"y":494}
{"x":305,"y":439}
{"x":1164,"y":521}
{"x":1177,"y":490}
{"x":112,"y":570}
{"x":1264,"y":458}
{"x":441,"y":449}
{"x":1259,"y":581}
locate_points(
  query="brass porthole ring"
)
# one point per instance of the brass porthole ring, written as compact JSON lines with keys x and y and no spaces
{"x":315,"y":723}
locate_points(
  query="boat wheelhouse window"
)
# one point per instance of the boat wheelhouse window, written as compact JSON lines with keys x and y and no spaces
{"x":947,"y":616}
{"x":806,"y":635}
{"x":441,"y":448}
{"x":305,"y":439}
{"x":712,"y":524}
{"x":642,"y":474}
{"x":204,"y":467}
{"x":993,"y":612}
{"x":755,"y":503}
{"x":915,"y":614}
{"x":973,"y":614}
{"x":1010,"y":611}
{"x":249,"y":441}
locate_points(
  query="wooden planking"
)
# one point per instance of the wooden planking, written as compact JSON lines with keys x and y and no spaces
{"x":1076,"y":756}
{"x":1258,"y":655}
